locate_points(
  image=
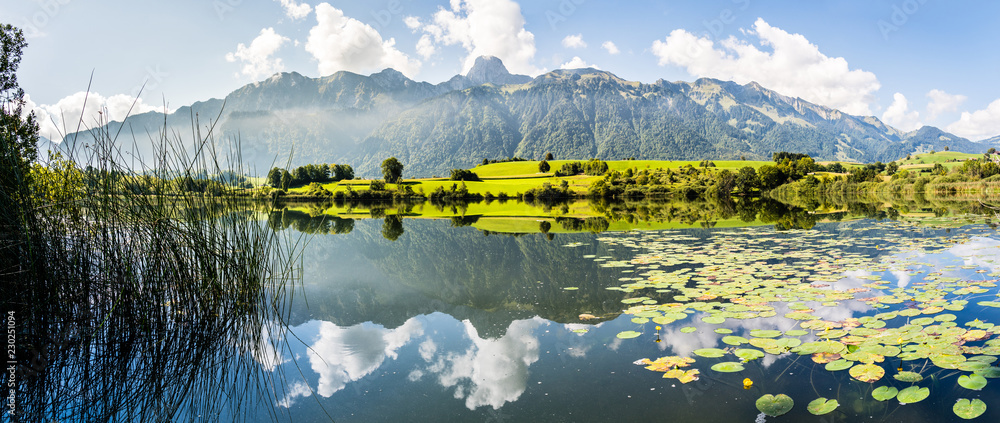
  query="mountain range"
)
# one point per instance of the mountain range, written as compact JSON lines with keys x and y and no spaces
{"x":490,"y":113}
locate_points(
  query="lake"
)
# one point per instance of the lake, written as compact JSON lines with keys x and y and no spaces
{"x":442,"y":320}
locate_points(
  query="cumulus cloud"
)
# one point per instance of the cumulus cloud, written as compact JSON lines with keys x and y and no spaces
{"x":610,"y":47}
{"x":412,"y":22}
{"x":900,"y":116}
{"x":294,"y":10}
{"x":980,"y":124}
{"x":576,"y":63}
{"x":494,"y":371}
{"x":486,"y":28}
{"x":793,"y":66}
{"x":84,"y":110}
{"x":294,"y":391}
{"x":338,"y":43}
{"x":425,"y":47}
{"x":574,"y":41}
{"x":257,"y":57}
{"x":942,"y":102}
{"x":345,"y":354}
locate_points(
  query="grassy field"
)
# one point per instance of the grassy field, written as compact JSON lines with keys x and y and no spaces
{"x":514,"y":178}
{"x":926,"y":161}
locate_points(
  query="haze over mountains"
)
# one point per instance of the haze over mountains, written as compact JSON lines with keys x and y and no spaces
{"x":490,"y":113}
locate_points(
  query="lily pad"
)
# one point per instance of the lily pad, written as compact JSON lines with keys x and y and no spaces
{"x":629,"y":334}
{"x":967,"y":409}
{"x":910,"y":377}
{"x":688,"y":329}
{"x":734,"y":340}
{"x":867,"y":372}
{"x":710,"y":352}
{"x":973,"y":382}
{"x":912,"y":395}
{"x":884,"y":393}
{"x":837,"y":365}
{"x":775,"y":405}
{"x":715,"y":320}
{"x":728,"y":367}
{"x":762,"y":333}
{"x":821,"y":406}
{"x":748,"y":354}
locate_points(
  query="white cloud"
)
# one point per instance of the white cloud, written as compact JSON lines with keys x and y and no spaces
{"x":794,"y":66}
{"x":296,"y":390}
{"x":900,"y":116}
{"x":494,"y":371}
{"x":343,"y":355}
{"x":576,"y":63}
{"x":295,"y":11}
{"x":486,"y":28}
{"x":338,"y":43}
{"x":574,"y":41}
{"x":85,"y":111}
{"x":425,"y":47}
{"x":942,"y":102}
{"x":610,"y":47}
{"x":980,"y":124}
{"x":256,"y":58}
{"x":412,"y":22}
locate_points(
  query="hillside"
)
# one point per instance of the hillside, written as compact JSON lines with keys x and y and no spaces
{"x":490,"y":113}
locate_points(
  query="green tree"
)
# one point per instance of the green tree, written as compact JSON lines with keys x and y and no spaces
{"x":746,"y":180}
{"x":392,"y":170}
{"x":543,"y":166}
{"x":549,"y":156}
{"x":891,"y":168}
{"x":274,"y":177}
{"x":725,"y":181}
{"x":18,"y":135}
{"x":286,"y":179}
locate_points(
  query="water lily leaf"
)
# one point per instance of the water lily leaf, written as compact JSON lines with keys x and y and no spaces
{"x":989,"y":373}
{"x":763,"y":333}
{"x":734,"y":340}
{"x":912,"y":395}
{"x":884,"y":393}
{"x":747,"y":354}
{"x":728,"y":367}
{"x":867,"y":372}
{"x":629,"y":334}
{"x":710,"y":352}
{"x":821,"y":406}
{"x":715,"y":320}
{"x":974,"y":382}
{"x":910,"y":377}
{"x":775,"y":405}
{"x":838,"y":365}
{"x":723,"y":331}
{"x":967,"y":409}
{"x":640,"y":320}
{"x":688,"y":329}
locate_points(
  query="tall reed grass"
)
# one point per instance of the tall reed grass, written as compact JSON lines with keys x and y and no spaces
{"x":135,"y":301}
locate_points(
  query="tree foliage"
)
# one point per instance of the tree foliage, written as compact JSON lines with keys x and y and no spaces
{"x":392,"y":170}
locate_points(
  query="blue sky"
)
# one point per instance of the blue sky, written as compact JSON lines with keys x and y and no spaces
{"x":907,"y":62}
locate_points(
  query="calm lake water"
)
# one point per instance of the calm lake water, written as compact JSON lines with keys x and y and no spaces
{"x":450,"y":323}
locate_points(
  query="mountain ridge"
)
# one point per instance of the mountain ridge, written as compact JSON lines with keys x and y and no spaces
{"x":490,"y":113}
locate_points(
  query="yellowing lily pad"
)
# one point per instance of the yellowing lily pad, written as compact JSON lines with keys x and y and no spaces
{"x":867,"y":372}
{"x":837,"y":365}
{"x":910,"y":377}
{"x":969,"y":409}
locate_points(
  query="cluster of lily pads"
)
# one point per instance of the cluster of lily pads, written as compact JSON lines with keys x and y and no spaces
{"x":757,"y":273}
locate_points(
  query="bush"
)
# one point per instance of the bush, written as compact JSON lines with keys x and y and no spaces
{"x":463,"y":175}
